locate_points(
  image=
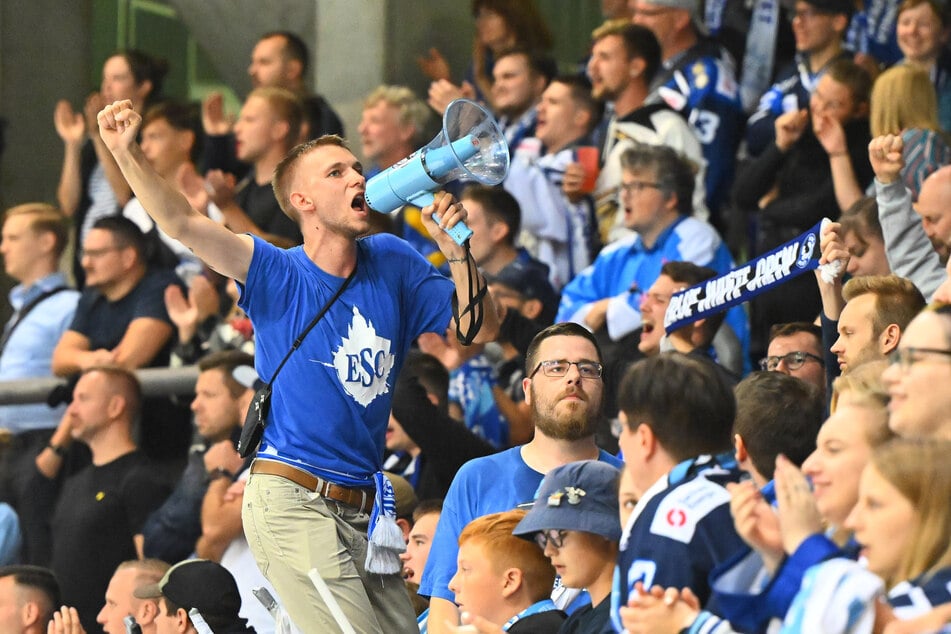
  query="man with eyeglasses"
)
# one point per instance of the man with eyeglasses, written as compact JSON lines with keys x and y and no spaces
{"x":121,"y":317}
{"x":819,"y":27}
{"x":795,"y":349}
{"x":656,"y":195}
{"x":564,"y":388}
{"x":917,"y":379}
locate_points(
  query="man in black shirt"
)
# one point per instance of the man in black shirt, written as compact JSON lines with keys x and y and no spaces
{"x":97,"y":520}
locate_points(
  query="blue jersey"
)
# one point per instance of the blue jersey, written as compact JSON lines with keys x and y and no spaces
{"x":872,"y":31}
{"x":679,"y":531}
{"x":331,"y":401}
{"x":751,"y":599}
{"x":700,"y":83}
{"x":491,"y":484}
{"x":627,"y":268}
{"x":470,"y":386}
{"x":910,"y":599}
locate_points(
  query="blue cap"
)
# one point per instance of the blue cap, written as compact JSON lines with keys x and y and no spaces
{"x":578,"y":496}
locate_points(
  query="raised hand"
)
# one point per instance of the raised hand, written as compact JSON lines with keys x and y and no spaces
{"x":213,"y":118}
{"x":833,"y":250}
{"x":831,"y":135}
{"x":789,"y":128}
{"x":433,"y":65}
{"x":94,"y":103}
{"x":118,"y":125}
{"x":70,"y":125}
{"x":65,"y":621}
{"x":798,"y":516}
{"x":220,"y":187}
{"x":756,"y":522}
{"x":183,"y":313}
{"x":192,"y":185}
{"x":885,"y":155}
{"x":446,"y":349}
{"x":441,"y":93}
{"x":572,"y":180}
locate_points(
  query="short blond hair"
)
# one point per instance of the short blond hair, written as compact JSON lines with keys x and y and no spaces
{"x":44,"y":218}
{"x":897,"y":299}
{"x":286,"y":106}
{"x":286,"y":169}
{"x":412,"y":111}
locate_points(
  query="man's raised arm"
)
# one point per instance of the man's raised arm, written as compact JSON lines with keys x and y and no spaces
{"x":222,"y":250}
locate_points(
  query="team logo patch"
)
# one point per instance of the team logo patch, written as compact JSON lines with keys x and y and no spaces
{"x":805,"y":254}
{"x":363,"y":361}
{"x":680,"y":511}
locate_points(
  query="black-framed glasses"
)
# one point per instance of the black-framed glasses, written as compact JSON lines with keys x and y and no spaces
{"x":793,"y":360}
{"x":553,"y":536}
{"x":638,"y":186}
{"x":904,"y":358}
{"x":559,"y":368}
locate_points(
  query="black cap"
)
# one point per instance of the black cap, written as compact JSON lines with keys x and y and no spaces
{"x":530,"y":279}
{"x":200,"y":584}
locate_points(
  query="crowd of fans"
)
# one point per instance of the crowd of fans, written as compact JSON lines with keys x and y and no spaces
{"x":586,"y":471}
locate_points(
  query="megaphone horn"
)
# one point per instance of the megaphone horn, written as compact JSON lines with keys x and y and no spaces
{"x":470,"y":145}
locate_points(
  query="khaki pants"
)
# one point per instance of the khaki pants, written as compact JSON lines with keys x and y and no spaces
{"x":292,"y":530}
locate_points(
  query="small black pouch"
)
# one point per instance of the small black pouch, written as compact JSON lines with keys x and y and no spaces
{"x":254,"y":422}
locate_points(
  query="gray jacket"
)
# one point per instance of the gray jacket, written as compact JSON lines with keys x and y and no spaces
{"x":908,"y":249}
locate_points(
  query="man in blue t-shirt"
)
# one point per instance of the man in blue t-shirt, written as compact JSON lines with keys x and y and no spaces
{"x":677,"y":415}
{"x":563,"y":387}
{"x":318,"y":468}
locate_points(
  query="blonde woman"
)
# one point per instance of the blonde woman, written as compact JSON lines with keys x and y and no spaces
{"x":904,"y":102}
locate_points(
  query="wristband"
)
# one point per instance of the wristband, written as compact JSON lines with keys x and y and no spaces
{"x":58,"y":450}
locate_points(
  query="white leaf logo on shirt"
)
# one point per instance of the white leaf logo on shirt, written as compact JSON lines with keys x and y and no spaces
{"x":363,"y":361}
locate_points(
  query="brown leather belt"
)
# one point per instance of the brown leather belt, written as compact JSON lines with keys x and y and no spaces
{"x":361,"y":499}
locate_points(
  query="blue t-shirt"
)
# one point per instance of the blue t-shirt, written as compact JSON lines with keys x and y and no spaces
{"x":331,"y":401}
{"x":492,"y":484}
{"x":679,"y":531}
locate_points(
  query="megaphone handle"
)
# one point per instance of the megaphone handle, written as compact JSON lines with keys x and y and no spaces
{"x":458,"y":232}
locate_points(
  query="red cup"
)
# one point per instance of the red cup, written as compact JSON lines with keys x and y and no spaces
{"x":588,"y":157}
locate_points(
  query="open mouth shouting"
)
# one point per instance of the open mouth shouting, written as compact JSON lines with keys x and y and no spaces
{"x":359,"y":203}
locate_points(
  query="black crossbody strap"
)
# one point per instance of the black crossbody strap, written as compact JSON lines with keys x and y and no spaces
{"x":310,"y":326}
{"x":25,"y":310}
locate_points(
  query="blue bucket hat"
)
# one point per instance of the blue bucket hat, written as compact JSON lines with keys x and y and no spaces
{"x":578,"y":496}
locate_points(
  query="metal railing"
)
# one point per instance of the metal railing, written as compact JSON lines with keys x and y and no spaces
{"x":155,"y":382}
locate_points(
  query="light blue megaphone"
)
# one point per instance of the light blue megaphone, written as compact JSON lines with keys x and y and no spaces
{"x":470,"y":145}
